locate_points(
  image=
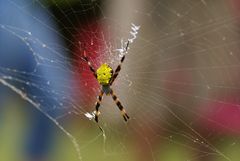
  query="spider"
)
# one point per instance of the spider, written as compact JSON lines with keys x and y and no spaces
{"x":105,"y":77}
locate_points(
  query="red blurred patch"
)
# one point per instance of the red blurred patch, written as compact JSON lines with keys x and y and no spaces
{"x":90,"y":39}
{"x":236,"y":6}
{"x":221,"y":117}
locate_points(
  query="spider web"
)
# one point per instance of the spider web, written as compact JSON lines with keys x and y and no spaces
{"x":179,"y":82}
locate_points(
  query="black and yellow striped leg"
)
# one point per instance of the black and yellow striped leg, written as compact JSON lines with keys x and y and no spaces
{"x":116,"y":72}
{"x":121,"y":108}
{"x":89,"y":64}
{"x":98,"y":105}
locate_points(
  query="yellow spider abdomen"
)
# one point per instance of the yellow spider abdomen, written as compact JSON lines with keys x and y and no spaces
{"x":104,"y":74}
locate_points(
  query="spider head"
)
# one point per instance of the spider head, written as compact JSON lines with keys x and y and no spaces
{"x":104,"y":74}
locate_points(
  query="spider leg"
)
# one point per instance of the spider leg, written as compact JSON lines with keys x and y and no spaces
{"x":121,"y":108}
{"x":97,"y":105}
{"x":116,"y":72}
{"x":89,"y":64}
